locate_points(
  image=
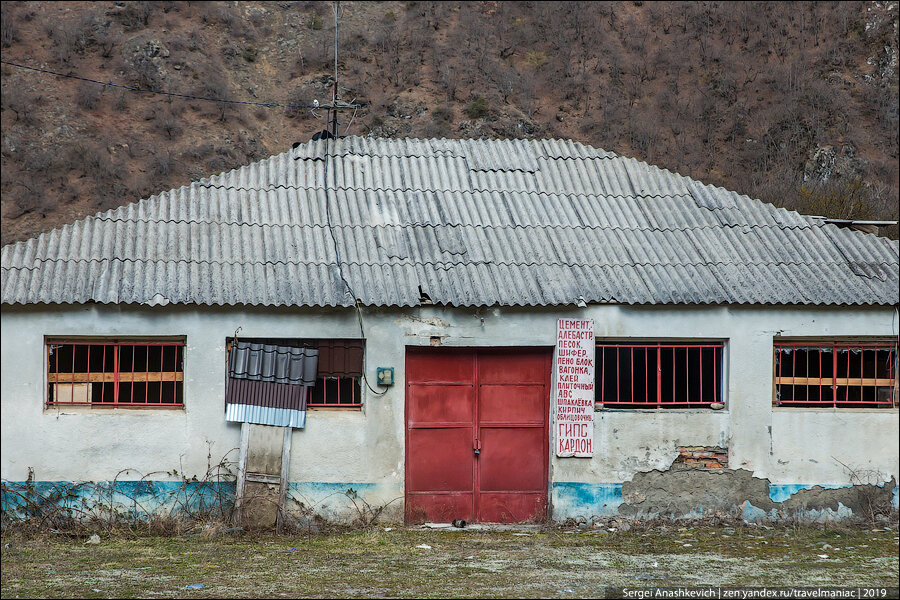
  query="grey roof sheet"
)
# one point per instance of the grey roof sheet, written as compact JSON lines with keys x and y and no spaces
{"x":467,"y":222}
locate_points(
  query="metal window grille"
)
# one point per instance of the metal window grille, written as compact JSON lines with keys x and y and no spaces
{"x":835,"y":374}
{"x":335,"y":391}
{"x":114,"y":373}
{"x":659,"y":375}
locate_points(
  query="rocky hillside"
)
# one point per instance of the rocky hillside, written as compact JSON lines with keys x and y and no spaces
{"x":794,"y":103}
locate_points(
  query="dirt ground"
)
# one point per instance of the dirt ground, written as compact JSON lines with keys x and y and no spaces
{"x":412,"y":562}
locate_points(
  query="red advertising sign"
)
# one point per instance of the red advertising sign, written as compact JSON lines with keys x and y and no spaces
{"x":573,"y":379}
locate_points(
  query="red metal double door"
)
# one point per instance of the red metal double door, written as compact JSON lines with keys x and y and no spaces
{"x":477,"y":435}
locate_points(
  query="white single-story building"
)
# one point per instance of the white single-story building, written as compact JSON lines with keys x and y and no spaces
{"x":742,"y":353}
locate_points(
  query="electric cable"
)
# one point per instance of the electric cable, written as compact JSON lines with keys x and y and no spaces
{"x":337,"y":254}
{"x":337,"y":257}
{"x":149,"y":91}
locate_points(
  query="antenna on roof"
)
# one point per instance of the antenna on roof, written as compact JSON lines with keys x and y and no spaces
{"x":331,"y":120}
{"x":335,"y":7}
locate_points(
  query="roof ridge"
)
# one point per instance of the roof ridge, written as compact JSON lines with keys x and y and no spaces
{"x":453,"y":225}
{"x":618,"y":229}
{"x":409,"y":261}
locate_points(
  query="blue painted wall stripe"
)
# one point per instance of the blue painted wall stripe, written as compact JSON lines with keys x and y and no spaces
{"x":569,"y":498}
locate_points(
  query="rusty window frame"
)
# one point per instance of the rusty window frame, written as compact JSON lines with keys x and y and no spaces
{"x":662,"y":381}
{"x":834,"y":374}
{"x":100,"y":368}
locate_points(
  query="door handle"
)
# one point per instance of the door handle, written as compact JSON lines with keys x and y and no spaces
{"x":477,"y":447}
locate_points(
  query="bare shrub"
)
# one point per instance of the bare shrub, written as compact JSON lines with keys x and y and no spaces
{"x":201,"y":503}
{"x":440,"y":126}
{"x":63,"y":35}
{"x":165,"y":121}
{"x":106,"y":42}
{"x":30,"y":196}
{"x":215,"y":86}
{"x":8,"y":30}
{"x":121,"y":101}
{"x":313,"y":55}
{"x":162,"y":164}
{"x":21,"y":102}
{"x":297,"y":98}
{"x":257,"y":18}
{"x":135,"y":15}
{"x":93,"y":161}
{"x":215,"y":13}
{"x":41,"y":161}
{"x":144,"y":72}
{"x":87,"y":95}
{"x":840,"y":198}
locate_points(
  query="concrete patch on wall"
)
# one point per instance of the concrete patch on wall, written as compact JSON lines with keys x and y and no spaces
{"x":820,"y":502}
{"x":692,"y":492}
{"x":736,"y":492}
{"x":346,"y":502}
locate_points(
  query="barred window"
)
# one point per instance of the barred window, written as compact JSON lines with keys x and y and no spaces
{"x":659,"y":374}
{"x":835,"y":374}
{"x":115,"y":373}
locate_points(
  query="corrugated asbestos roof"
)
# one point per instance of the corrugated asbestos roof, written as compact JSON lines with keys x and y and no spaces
{"x":467,"y":222}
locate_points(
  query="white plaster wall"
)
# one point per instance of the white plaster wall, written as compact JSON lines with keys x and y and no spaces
{"x":367,"y":446}
{"x":828,"y":445}
{"x":628,"y":442}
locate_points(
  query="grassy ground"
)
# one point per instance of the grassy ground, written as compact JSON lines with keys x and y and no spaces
{"x":459,"y":563}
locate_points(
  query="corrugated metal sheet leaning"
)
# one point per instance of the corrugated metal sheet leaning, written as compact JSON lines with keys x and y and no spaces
{"x":470,"y":222}
{"x":268,"y":384}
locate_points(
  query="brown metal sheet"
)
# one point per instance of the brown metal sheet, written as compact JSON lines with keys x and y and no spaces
{"x":265,"y":394}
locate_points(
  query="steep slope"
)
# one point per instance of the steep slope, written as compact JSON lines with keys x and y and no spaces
{"x":792,"y":103}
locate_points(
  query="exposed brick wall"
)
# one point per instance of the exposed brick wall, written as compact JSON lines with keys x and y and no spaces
{"x":701,"y":457}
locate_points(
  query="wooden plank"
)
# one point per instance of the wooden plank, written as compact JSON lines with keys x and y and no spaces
{"x":111,"y":377}
{"x":263,"y":478}
{"x":840,"y":381}
{"x":285,"y":477}
{"x":241,"y":472}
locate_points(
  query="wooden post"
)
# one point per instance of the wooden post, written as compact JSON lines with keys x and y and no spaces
{"x":285,"y":477}
{"x":241,"y":474}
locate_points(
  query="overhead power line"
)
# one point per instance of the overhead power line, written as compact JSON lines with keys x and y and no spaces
{"x":172,"y":94}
